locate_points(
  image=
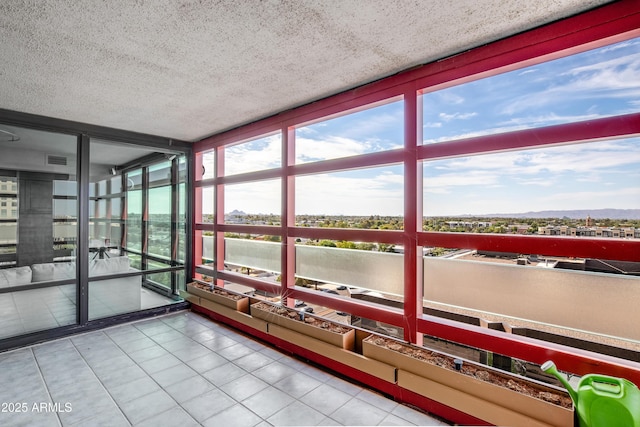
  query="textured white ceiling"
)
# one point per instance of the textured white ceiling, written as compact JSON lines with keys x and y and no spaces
{"x":191,"y":68}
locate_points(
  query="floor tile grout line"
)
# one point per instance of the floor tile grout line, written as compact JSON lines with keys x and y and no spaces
{"x":237,"y":402}
{"x":46,"y":386}
{"x":99,"y":380}
{"x":178,"y":404}
{"x":147,"y":394}
{"x":199,"y":374}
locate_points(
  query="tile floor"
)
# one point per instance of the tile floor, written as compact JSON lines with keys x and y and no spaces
{"x":180,"y":370}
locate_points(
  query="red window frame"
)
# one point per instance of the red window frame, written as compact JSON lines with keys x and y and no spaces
{"x":608,"y":24}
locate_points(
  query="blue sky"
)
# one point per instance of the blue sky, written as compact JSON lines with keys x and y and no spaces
{"x":590,"y":85}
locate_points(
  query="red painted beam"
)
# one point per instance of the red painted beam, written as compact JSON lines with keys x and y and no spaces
{"x":351,"y":234}
{"x":272,"y":288}
{"x":261,"y":175}
{"x":590,"y":130}
{"x":579,"y":247}
{"x":608,"y":24}
{"x":270,"y":230}
{"x":353,"y":162}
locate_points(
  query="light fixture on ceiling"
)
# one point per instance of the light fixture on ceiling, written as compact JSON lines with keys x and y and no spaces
{"x":113,"y":170}
{"x":7,"y":136}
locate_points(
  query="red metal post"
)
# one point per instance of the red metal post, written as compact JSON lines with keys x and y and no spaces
{"x":219,"y":213}
{"x":412,"y":293}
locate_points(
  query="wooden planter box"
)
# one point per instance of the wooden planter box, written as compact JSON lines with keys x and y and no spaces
{"x":481,"y":399}
{"x":373,"y":367}
{"x":236,"y":315}
{"x":345,"y":340}
{"x":217,"y":296}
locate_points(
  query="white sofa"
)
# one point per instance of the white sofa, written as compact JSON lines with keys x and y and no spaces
{"x":106,"y":297}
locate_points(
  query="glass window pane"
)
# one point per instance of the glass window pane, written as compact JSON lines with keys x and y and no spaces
{"x":208,"y":205}
{"x":134,"y":210}
{"x":356,"y":265}
{"x":37,"y":310}
{"x":208,"y":166}
{"x":255,"y":155}
{"x":159,"y":226}
{"x":252,"y":254}
{"x":597,"y":83}
{"x":571,"y":181}
{"x":347,"y":199}
{"x":160,"y":174}
{"x":376,"y":129}
{"x":571,"y":293}
{"x":255,"y":203}
{"x":113,"y":296}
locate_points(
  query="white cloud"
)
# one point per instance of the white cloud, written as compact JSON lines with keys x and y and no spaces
{"x":544,"y":168}
{"x":265,"y":153}
{"x":456,"y":116}
{"x":450,"y":98}
{"x":381,"y":193}
{"x":330,"y":147}
{"x":432,"y":125}
{"x":548,"y":119}
{"x":615,"y":78}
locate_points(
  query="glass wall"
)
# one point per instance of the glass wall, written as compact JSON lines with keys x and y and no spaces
{"x":137,"y":229}
{"x":38,"y":231}
{"x":89,"y":228}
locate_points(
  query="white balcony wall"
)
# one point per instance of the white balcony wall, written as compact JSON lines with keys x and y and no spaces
{"x":378,"y":271}
{"x":596,"y":302}
{"x":255,"y":254}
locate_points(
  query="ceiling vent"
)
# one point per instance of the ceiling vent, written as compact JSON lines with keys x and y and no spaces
{"x":56,"y":160}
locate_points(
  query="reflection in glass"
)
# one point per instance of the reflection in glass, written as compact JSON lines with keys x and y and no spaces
{"x":37,"y":309}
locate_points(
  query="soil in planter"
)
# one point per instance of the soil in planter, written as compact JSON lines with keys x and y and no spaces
{"x":218,"y":291}
{"x":474,"y":371}
{"x":295,"y":315}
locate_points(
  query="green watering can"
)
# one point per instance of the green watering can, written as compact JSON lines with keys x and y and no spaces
{"x":602,"y":401}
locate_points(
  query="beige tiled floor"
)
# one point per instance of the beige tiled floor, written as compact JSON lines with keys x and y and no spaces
{"x":180,"y":370}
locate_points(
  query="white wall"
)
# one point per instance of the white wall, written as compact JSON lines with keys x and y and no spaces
{"x":596,"y":302}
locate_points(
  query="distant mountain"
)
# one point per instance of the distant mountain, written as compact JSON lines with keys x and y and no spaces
{"x":572,"y":214}
{"x":236,"y":212}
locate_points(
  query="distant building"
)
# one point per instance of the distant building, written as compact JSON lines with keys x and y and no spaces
{"x":593,"y":231}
